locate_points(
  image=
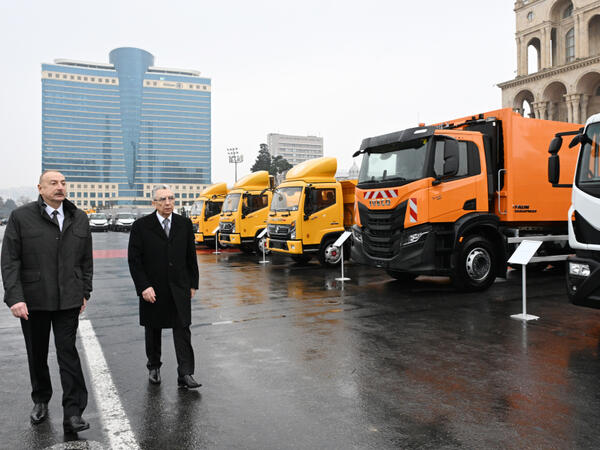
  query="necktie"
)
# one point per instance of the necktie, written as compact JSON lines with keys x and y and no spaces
{"x":55,"y":217}
{"x":166,"y":227}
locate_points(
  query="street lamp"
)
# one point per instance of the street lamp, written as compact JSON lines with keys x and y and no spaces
{"x":234,"y":158}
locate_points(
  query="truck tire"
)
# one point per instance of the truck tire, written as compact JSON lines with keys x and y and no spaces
{"x":260,"y":243}
{"x":301,"y":259}
{"x":328,"y":254}
{"x":402,"y":276}
{"x":476,"y":265}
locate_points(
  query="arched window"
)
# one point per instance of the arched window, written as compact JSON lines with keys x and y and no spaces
{"x":568,"y":12}
{"x":598,"y":91}
{"x":570,"y":45}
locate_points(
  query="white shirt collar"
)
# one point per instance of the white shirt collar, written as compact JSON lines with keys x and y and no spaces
{"x":161,"y":219}
{"x":50,"y":210}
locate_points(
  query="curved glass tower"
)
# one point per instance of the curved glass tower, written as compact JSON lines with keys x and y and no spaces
{"x":115,"y":130}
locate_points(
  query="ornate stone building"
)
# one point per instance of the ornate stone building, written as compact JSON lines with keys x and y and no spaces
{"x":558,"y":60}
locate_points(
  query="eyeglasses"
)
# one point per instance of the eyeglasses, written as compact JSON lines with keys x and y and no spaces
{"x":164,"y":199}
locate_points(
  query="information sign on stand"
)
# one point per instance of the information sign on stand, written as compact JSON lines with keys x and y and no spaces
{"x":340,"y":244}
{"x":259,"y":237}
{"x":522,"y":256}
{"x":216,"y":233}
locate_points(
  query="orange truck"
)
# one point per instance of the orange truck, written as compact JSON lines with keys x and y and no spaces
{"x":455,"y":198}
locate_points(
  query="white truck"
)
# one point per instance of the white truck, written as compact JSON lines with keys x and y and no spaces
{"x":583,"y":268}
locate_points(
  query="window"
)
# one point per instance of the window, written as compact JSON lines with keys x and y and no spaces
{"x":79,"y":195}
{"x":468,"y":159}
{"x":570,"y":45}
{"x":92,"y":194}
{"x":568,"y":11}
{"x":319,"y":199}
{"x":71,"y":194}
{"x":79,"y":77}
{"x":530,"y":16}
{"x":253,"y":203}
{"x":49,"y":75}
{"x":212,"y":209}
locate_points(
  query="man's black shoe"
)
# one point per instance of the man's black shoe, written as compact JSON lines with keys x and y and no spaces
{"x":39,"y":413}
{"x":188,"y":382}
{"x":75,"y":424}
{"x":154,"y":376}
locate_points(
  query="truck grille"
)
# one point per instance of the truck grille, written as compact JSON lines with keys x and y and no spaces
{"x":382,"y":229}
{"x":226,"y":227}
{"x":279,"y":231}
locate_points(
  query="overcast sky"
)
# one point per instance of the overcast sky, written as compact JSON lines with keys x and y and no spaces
{"x":343,"y":70}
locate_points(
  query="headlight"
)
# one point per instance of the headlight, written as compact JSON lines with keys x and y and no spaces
{"x":415,"y":237}
{"x":580,"y":270}
{"x":196,"y":228}
{"x":356,"y":234}
{"x":233,"y":227}
{"x":293,"y":230}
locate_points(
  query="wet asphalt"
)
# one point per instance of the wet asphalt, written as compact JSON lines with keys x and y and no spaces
{"x":290,"y":358}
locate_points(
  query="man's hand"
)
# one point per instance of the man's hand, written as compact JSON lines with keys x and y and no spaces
{"x":192,"y":293}
{"x":149,"y":295}
{"x":83,"y":306}
{"x":20,"y":311}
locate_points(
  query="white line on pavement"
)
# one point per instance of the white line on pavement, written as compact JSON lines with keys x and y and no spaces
{"x":111,"y":411}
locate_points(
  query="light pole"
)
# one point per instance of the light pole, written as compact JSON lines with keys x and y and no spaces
{"x":234,"y":158}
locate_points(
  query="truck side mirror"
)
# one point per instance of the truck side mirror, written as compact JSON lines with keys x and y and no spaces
{"x":555,"y":145}
{"x":553,"y":168}
{"x":450,"y":158}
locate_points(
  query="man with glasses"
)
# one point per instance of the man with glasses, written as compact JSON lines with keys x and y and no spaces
{"x":163,"y":265}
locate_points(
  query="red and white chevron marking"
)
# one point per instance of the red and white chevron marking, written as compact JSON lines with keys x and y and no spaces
{"x":383,"y":193}
{"x":412,"y":210}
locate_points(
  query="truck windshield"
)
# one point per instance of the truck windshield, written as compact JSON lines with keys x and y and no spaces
{"x":197,"y":208}
{"x":286,"y":199}
{"x":407,"y":164}
{"x":588,"y":169}
{"x":232,"y":202}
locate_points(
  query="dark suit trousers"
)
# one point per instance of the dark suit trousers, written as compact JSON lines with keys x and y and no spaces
{"x":37,"y":335}
{"x":183,"y":349}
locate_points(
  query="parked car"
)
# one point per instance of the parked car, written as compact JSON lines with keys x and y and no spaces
{"x":122,"y":222}
{"x":99,"y":222}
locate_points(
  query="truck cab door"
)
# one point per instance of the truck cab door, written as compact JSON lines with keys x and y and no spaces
{"x":321,"y":214}
{"x":454,"y":196}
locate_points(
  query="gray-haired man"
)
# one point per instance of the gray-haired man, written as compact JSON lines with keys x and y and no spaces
{"x":164,"y":268}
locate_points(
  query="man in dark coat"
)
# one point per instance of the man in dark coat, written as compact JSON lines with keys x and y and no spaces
{"x":47,"y":273}
{"x":164,"y":268}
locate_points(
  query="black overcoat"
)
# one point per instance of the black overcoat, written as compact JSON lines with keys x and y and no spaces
{"x":168,"y":265}
{"x":47,"y":269}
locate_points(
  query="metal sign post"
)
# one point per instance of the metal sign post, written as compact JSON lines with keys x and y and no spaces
{"x":216,"y":233}
{"x":522,"y":256}
{"x":340,"y":244}
{"x":260,"y":236}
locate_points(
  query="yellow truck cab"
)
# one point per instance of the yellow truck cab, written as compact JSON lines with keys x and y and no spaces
{"x":309,"y":211}
{"x":244,"y":213}
{"x":205,"y":212}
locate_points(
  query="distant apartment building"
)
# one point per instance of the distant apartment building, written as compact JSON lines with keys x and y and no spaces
{"x":295,"y":149}
{"x":117,"y":129}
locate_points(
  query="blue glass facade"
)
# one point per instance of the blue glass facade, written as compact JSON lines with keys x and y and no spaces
{"x":125,"y":126}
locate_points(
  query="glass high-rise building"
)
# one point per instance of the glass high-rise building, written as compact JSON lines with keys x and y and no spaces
{"x":115,"y":130}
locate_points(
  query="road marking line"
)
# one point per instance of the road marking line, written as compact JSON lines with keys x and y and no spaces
{"x":111,"y":411}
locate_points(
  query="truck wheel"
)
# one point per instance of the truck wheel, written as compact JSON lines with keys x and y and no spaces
{"x":476,"y":265}
{"x":259,"y":244}
{"x":402,"y":276}
{"x":328,"y":254}
{"x":301,"y":259}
